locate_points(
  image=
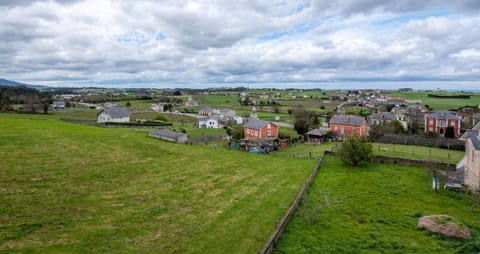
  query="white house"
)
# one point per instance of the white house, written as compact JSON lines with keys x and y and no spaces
{"x":209,"y":122}
{"x":116,"y":115}
{"x":157,"y":107}
{"x":238,"y":119}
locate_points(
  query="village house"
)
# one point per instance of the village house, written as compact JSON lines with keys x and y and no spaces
{"x":169,"y":136}
{"x":157,"y":107}
{"x":205,"y":111}
{"x":212,"y":121}
{"x":347,"y":125}
{"x":439,"y":121}
{"x":471,"y":160}
{"x":259,"y":129}
{"x":191,"y":102}
{"x":58,"y":105}
{"x":115,"y":115}
{"x":381,"y":118}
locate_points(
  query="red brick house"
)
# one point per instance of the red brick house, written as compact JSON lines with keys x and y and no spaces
{"x":345,"y":126}
{"x":440,"y":120}
{"x":258,"y":129}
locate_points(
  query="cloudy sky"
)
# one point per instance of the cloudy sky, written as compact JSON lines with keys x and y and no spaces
{"x":271,"y":43}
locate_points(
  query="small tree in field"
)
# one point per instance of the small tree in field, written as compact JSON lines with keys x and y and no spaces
{"x":355,"y":149}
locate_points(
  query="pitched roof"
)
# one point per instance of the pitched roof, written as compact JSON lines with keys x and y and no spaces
{"x":256,"y":124}
{"x":166,"y":133}
{"x":383,"y":116}
{"x":443,"y":114}
{"x":347,"y":120}
{"x":117,"y":112}
{"x":474,"y":136}
{"x":318,"y":132}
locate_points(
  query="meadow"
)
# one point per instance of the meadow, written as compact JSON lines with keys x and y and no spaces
{"x":375,"y":209}
{"x":440,"y":103}
{"x":299,"y":151}
{"x":69,"y":188}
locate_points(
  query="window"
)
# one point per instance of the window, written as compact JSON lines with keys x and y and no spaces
{"x":354,"y":130}
{"x":430,"y":121}
{"x":269,"y":126}
{"x":269,"y":133}
{"x":256,"y":133}
{"x":248,"y":131}
{"x":442,"y":123}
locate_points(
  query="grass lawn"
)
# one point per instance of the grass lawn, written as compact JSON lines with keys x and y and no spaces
{"x":72,"y":188}
{"x":399,"y":151}
{"x":375,"y":209}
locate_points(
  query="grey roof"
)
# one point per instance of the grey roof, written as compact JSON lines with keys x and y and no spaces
{"x":347,"y":120}
{"x":256,"y":124}
{"x":383,"y":116}
{"x":166,"y":133}
{"x":443,"y":114}
{"x":117,"y":112}
{"x":474,"y":137}
{"x":205,"y":109}
{"x":318,"y":132}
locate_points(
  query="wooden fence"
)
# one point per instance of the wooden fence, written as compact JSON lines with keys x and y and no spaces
{"x":268,"y":248}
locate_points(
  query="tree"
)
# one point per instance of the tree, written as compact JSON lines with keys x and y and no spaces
{"x":450,"y":132}
{"x":355,"y":149}
{"x":128,"y":104}
{"x":177,"y":93}
{"x":304,"y":120}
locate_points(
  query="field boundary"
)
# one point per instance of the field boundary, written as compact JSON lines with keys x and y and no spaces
{"x":408,"y":162}
{"x":268,"y":248}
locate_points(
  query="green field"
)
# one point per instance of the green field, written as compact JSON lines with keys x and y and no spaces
{"x":68,"y":188}
{"x":398,"y":151}
{"x":375,"y":209}
{"x":440,"y":103}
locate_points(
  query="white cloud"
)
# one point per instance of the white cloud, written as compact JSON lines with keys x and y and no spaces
{"x":205,"y":42}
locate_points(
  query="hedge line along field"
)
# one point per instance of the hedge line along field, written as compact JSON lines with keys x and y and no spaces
{"x":375,"y":209}
{"x":82,"y":189}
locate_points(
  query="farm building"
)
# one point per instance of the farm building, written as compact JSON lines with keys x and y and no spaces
{"x":347,"y":125}
{"x":116,"y":115}
{"x":317,"y":136}
{"x":439,"y":121}
{"x":259,"y":129}
{"x":169,"y":136}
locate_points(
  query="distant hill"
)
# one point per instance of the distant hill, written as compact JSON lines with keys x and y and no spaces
{"x":5,"y":82}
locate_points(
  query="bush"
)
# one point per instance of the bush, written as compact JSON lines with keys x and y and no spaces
{"x":355,"y":149}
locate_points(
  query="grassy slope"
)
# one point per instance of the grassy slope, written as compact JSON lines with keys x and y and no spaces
{"x":377,"y":212}
{"x":74,"y":188}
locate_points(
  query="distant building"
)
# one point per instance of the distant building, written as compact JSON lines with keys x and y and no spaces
{"x":381,"y":118}
{"x":58,"y":105}
{"x":157,"y":107}
{"x":211,"y":121}
{"x":259,"y":129}
{"x":347,"y":125}
{"x":440,"y":120}
{"x":171,"y":136}
{"x":191,"y":102}
{"x":116,"y":115}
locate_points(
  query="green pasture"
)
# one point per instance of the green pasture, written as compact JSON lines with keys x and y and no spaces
{"x":69,"y":188}
{"x":375,"y":209}
{"x":441,"y":103}
{"x":300,"y":150}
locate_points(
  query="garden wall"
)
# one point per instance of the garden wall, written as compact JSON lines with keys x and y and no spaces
{"x":453,"y":144}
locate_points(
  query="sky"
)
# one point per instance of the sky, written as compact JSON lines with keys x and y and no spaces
{"x":425,"y":44}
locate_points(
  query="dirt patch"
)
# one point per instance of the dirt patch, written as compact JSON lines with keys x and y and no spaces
{"x":445,"y":225}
